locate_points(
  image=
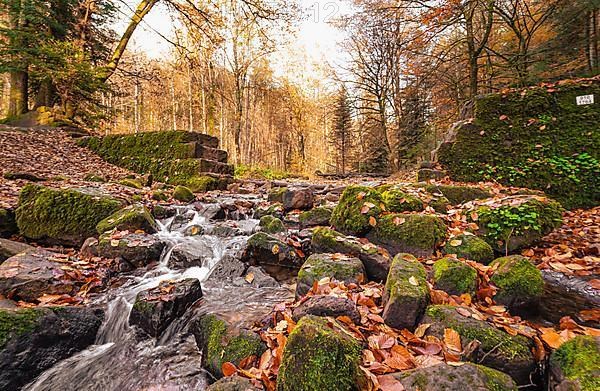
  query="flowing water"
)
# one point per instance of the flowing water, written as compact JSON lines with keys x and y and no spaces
{"x":123,"y":359}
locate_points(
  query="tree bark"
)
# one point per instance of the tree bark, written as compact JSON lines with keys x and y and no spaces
{"x":19,"y":96}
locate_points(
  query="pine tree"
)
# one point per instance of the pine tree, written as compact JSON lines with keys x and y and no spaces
{"x":341,"y":137}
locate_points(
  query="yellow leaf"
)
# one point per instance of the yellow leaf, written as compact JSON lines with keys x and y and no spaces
{"x":413,"y":281}
{"x":372,"y":221}
{"x":275,"y":249}
{"x":249,"y":278}
{"x":455,"y":242}
{"x":452,"y":340}
{"x":115,"y":243}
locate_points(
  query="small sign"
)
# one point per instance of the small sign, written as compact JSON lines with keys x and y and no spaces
{"x":585,"y":100}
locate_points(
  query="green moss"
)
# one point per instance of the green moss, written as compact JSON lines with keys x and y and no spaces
{"x":160,"y":195}
{"x":348,"y":216}
{"x":336,"y":266}
{"x":316,"y":216}
{"x":399,"y":284}
{"x":276,"y":194}
{"x":496,"y":380}
{"x":328,"y":240}
{"x":318,"y":357}
{"x":396,"y":200}
{"x":14,"y":323}
{"x":470,"y":247}
{"x":517,"y":279}
{"x":203,"y":184}
{"x":459,"y":194}
{"x":415,"y":234}
{"x":94,"y":178}
{"x":454,"y":277}
{"x":183,"y":194}
{"x":271,"y":224}
{"x":579,"y":360}
{"x":133,"y":183}
{"x":58,"y":214}
{"x":130,"y":218}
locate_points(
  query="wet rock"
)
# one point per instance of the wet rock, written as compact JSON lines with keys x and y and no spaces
{"x":566,"y":295}
{"x":155,"y":309}
{"x":323,"y":305}
{"x":398,"y":201}
{"x":229,"y":267}
{"x":33,"y":340}
{"x":183,"y":194}
{"x":276,"y":194}
{"x":470,"y":247}
{"x":444,"y":377}
{"x":459,"y":194}
{"x":376,"y":260}
{"x":318,"y":356}
{"x":419,"y":235}
{"x":194,"y":230}
{"x":348,"y":216}
{"x":498,"y":349}
{"x":519,"y":283}
{"x":338,"y":266}
{"x":257,"y":278}
{"x":275,"y":210}
{"x":575,"y":366}
{"x":427,"y":174}
{"x":30,"y":275}
{"x":189,"y":254}
{"x":271,"y":224}
{"x":276,"y":257}
{"x":131,"y":218}
{"x":315,"y":217}
{"x":64,"y":216}
{"x":9,"y":248}
{"x":454,"y":276}
{"x":211,"y":211}
{"x":8,"y":225}
{"x":233,"y":383}
{"x":406,"y":293}
{"x":139,"y":250}
{"x":302,"y":199}
{"x":182,"y":221}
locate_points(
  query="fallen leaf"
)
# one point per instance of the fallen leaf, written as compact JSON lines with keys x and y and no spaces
{"x":372,"y":221}
{"x":228,"y":369}
{"x":413,"y":281}
{"x":452,"y":340}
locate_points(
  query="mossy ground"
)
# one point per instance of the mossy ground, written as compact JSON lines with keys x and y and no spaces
{"x":454,"y":276}
{"x":579,"y":360}
{"x":517,"y":279}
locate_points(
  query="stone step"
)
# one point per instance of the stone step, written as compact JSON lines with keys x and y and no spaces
{"x":208,"y":153}
{"x":201,"y":139}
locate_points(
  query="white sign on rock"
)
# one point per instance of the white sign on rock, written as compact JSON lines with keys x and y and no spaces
{"x":585,"y":100}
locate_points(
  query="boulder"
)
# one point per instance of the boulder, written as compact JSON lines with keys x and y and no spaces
{"x":471,"y":247}
{"x":459,"y":194}
{"x":182,"y":221}
{"x":315,"y":217}
{"x":338,"y":266}
{"x":137,"y":249}
{"x":257,"y":278}
{"x":233,"y":383}
{"x":302,"y":199}
{"x":275,"y":210}
{"x":519,"y":282}
{"x":9,"y":248}
{"x":189,"y":254}
{"x":575,"y":365}
{"x":183,"y":194}
{"x":203,"y":184}
{"x":276,"y":257}
{"x":155,"y":309}
{"x":357,"y":206}
{"x":271,"y":224}
{"x":319,"y":356}
{"x":444,"y":377}
{"x":324,"y":305}
{"x":8,"y":225}
{"x":454,"y":276}
{"x":276,"y":194}
{"x":498,"y":349}
{"x":398,"y":201}
{"x":131,"y":218}
{"x":64,"y":216}
{"x":406,"y":293}
{"x":428,"y":174}
{"x":416,"y":234}
{"x":229,"y":267}
{"x":130,"y":182}
{"x":33,"y":340}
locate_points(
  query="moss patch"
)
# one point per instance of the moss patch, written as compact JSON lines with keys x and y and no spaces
{"x":415,"y":234}
{"x":202,"y":184}
{"x":133,"y":183}
{"x":470,"y":247}
{"x":271,"y":224}
{"x":579,"y":361}
{"x":14,"y":323}
{"x":454,"y":277}
{"x":130,"y":218}
{"x":396,"y":200}
{"x":518,"y":280}
{"x":183,"y":194}
{"x":355,"y":208}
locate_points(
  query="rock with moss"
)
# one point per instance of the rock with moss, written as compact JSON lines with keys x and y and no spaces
{"x":325,"y":305}
{"x":357,"y":206}
{"x":131,"y":218}
{"x":519,"y":282}
{"x":454,"y":277}
{"x":34,"y":339}
{"x":276,"y":194}
{"x":516,"y":222}
{"x":416,"y":234}
{"x":64,"y":216}
{"x":8,"y":225}
{"x":133,"y":250}
{"x":202,"y":184}
{"x":444,"y":377}
{"x":130,"y":182}
{"x":497,"y":349}
{"x":183,"y":194}
{"x":459,"y":194}
{"x":221,"y":343}
{"x":94,"y":178}
{"x":406,"y":293}
{"x":275,"y":210}
{"x":279,"y":259}
{"x":575,"y":365}
{"x":319,"y":356}
{"x":338,"y":266}
{"x":398,"y":201}
{"x":233,"y":383}
{"x":315,"y":217}
{"x":271,"y":224}
{"x":160,"y":195}
{"x":428,"y":174}
{"x":297,"y":199}
{"x":471,"y":247}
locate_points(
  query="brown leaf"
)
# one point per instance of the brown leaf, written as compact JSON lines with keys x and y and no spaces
{"x":389,"y":383}
{"x":372,"y":221}
{"x":228,"y":369}
{"x":452,"y":340}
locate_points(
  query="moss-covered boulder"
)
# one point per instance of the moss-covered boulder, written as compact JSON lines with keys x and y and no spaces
{"x":471,"y":247}
{"x":416,"y":234}
{"x":315,"y":217}
{"x":221,"y":343}
{"x":275,"y":210}
{"x":406,"y":293}
{"x":454,"y":277}
{"x":498,"y":349}
{"x":133,"y":250}
{"x":65,"y":216}
{"x":276,"y":194}
{"x":358,"y":205}
{"x":576,"y":365}
{"x":279,"y":259}
{"x":8,"y":225}
{"x":516,"y":222}
{"x":271,"y":224}
{"x":444,"y":377}
{"x":133,"y":183}
{"x":398,"y":201}
{"x":183,"y":194}
{"x":131,"y":218}
{"x":459,"y":194}
{"x":318,"y":356}
{"x":519,"y":282}
{"x":204,"y":183}
{"x":335,"y":266}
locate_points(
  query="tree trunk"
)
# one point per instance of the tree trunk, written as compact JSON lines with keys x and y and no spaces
{"x":19,"y":96}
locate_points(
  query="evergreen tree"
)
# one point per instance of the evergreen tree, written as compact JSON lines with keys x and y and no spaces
{"x":341,"y":136}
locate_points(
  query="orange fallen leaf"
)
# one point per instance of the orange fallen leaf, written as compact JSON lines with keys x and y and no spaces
{"x":228,"y":369}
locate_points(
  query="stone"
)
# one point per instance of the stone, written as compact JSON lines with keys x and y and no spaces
{"x":189,"y":254}
{"x":8,"y":225}
{"x":315,"y":217}
{"x":398,"y":201}
{"x":457,"y":195}
{"x":275,"y":210}
{"x":276,"y":194}
{"x":323,"y":305}
{"x":428,"y":174}
{"x":130,"y":182}
{"x":33,"y":340}
{"x":137,"y":249}
{"x":454,"y":277}
{"x":271,"y":224}
{"x":257,"y":278}
{"x":406,"y":293}
{"x":338,"y":267}
{"x":519,"y":282}
{"x":233,"y":383}
{"x":319,"y":356}
{"x":183,"y":194}
{"x":348,"y":216}
{"x":9,"y":248}
{"x":575,"y":365}
{"x":278,"y":258}
{"x":302,"y":199}
{"x":229,"y":267}
{"x":471,"y":247}
{"x":155,"y":309}
{"x":131,"y":218}
{"x":498,"y":349}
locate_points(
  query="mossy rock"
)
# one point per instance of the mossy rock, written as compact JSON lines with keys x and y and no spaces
{"x":183,"y":194}
{"x":8,"y":225}
{"x":315,"y":217}
{"x":14,"y":323}
{"x":94,"y":178}
{"x":66,"y":216}
{"x":498,"y":349}
{"x":335,"y":266}
{"x":220,"y":344}
{"x":575,"y":365}
{"x":271,"y":224}
{"x":276,"y":194}
{"x":131,"y":218}
{"x":440,"y":204}
{"x":471,"y":247}
{"x":519,"y":282}
{"x":415,"y":234}
{"x":459,"y":194}
{"x":318,"y":356}
{"x":406,"y":293}
{"x":233,"y":383}
{"x":275,"y":210}
{"x":348,"y":216}
{"x":160,"y":195}
{"x":397,"y":201}
{"x":454,"y":276}
{"x":205,"y":183}
{"x":133,"y":183}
